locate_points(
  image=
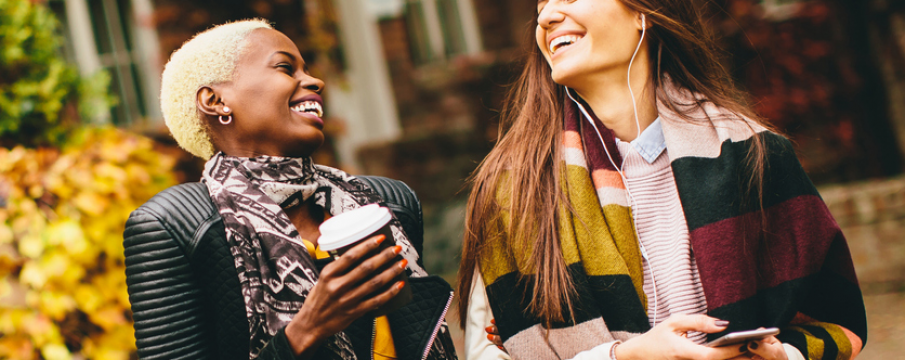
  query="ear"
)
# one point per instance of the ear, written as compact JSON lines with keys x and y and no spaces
{"x":209,"y":102}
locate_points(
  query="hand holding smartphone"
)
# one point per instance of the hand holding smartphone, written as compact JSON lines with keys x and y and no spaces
{"x":739,"y":337}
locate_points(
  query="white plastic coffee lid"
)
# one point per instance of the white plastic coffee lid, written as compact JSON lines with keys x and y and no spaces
{"x":349,"y":227}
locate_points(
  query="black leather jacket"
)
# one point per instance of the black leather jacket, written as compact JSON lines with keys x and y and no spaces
{"x":185,"y":292}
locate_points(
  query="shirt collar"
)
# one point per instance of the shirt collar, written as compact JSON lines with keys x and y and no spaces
{"x":651,"y":143}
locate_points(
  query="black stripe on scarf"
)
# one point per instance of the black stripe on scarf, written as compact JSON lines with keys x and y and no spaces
{"x":616,"y":301}
{"x":723,"y":179}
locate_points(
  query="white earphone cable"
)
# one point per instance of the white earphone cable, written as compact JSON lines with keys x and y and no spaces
{"x":618,"y":167}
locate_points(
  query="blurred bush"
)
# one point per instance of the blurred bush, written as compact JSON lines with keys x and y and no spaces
{"x":62,"y":277}
{"x":42,"y":97}
{"x":66,"y":190}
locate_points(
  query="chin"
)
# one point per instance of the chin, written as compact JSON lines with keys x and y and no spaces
{"x":565,"y":77}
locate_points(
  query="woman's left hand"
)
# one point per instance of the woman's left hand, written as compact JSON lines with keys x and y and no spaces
{"x":768,"y":348}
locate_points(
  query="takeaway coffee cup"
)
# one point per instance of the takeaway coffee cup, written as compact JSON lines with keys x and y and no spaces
{"x":342,"y":232}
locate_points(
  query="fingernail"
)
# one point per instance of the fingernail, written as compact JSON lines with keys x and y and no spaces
{"x":397,"y":249}
{"x":400,"y":285}
{"x":493,"y":321}
{"x":380,"y":239}
{"x":488,"y":329}
{"x":744,"y":348}
{"x":403,"y":263}
{"x":500,"y":347}
{"x":752,"y":345}
{"x":489,"y":337}
{"x":721,"y":323}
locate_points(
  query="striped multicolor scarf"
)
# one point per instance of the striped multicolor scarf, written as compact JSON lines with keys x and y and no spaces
{"x":786,"y":266}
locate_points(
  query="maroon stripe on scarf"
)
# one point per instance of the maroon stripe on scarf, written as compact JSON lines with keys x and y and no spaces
{"x":577,"y":122}
{"x":734,"y":263}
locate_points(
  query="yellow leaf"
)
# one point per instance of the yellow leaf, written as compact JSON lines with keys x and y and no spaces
{"x":31,"y":246}
{"x":6,"y":234}
{"x":35,"y":191}
{"x":68,"y":233}
{"x":108,"y":318}
{"x":55,"y":352}
{"x":32,"y":275}
{"x":88,"y":298}
{"x":91,"y":203}
{"x":56,"y":305}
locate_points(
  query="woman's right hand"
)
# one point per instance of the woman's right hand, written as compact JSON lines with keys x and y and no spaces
{"x":668,"y":340}
{"x":347,"y":288}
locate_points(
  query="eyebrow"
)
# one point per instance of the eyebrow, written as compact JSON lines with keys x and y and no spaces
{"x":292,"y":57}
{"x":289,"y":55}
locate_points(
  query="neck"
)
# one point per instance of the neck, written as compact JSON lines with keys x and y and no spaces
{"x":307,"y":218}
{"x":608,"y":95}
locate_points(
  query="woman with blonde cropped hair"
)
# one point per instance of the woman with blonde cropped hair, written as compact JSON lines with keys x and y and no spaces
{"x":230,"y":268}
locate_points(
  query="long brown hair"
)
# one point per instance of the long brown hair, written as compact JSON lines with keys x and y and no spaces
{"x":526,"y":163}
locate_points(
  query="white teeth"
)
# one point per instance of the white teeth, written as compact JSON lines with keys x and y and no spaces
{"x":563,"y":41}
{"x":309,"y":106}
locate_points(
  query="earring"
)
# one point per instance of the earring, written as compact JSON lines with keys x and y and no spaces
{"x":229,"y":118}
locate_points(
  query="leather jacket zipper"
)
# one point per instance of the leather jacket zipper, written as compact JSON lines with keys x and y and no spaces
{"x":437,"y":327}
{"x":373,"y":338}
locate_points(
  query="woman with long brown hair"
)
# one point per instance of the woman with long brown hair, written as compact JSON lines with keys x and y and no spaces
{"x":635,"y":207}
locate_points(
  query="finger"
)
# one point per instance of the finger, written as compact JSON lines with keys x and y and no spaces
{"x":770,"y":340}
{"x":702,"y":323}
{"x":764,"y":349}
{"x":722,"y":352}
{"x":353,"y":256}
{"x":380,"y":298}
{"x":378,"y":282}
{"x":492,"y":330}
{"x":370,"y":266}
{"x":497,"y":340}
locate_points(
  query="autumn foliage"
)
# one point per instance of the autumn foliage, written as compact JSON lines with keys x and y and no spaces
{"x":61,"y":258}
{"x":66,"y":190}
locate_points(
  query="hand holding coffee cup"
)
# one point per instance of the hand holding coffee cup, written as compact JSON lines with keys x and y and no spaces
{"x":342,"y":232}
{"x":364,"y":278}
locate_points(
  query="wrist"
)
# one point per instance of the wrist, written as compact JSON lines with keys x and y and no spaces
{"x":624,"y":350}
{"x":302,"y":340}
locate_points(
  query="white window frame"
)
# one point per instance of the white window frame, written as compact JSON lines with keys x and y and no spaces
{"x":144,"y":55}
{"x":430,"y":17}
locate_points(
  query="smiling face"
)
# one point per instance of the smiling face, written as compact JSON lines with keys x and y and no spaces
{"x":582,"y":39}
{"x":276,"y":104}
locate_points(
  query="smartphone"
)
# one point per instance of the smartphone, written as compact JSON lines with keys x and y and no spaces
{"x":739,"y":337}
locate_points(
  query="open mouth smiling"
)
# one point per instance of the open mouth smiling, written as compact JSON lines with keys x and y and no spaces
{"x":312,"y":107}
{"x":564,"y":41}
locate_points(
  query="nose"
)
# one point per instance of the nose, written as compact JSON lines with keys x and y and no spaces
{"x":550,"y":14}
{"x":312,"y":83}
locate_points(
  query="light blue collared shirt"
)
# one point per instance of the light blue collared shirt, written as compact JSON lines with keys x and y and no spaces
{"x":651,"y":143}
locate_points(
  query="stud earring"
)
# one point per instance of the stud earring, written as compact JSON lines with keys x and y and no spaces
{"x":228,"y":119}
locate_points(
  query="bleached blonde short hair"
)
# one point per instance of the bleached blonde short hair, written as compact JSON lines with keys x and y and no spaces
{"x":209,"y":58}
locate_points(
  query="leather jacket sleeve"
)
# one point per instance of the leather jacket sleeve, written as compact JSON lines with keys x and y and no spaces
{"x":166,"y":302}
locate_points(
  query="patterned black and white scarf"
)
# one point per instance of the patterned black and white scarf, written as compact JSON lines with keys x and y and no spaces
{"x":274,"y":266}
